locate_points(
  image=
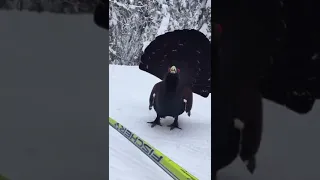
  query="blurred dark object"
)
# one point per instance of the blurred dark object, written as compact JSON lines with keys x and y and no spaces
{"x":101,"y":14}
{"x":291,"y":75}
{"x":55,"y":6}
{"x":188,"y":50}
{"x":268,"y":46}
{"x":297,"y":95}
{"x":216,"y":34}
{"x":36,"y":6}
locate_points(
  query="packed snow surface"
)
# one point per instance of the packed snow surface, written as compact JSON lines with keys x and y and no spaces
{"x":289,"y":150}
{"x":129,"y":90}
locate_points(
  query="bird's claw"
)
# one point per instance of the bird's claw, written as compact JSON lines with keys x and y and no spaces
{"x":154,"y":123}
{"x":173,"y":126}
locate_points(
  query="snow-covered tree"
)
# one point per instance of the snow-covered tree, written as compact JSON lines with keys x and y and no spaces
{"x":135,"y":23}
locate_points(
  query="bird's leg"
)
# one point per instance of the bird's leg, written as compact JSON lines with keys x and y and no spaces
{"x":174,"y":124}
{"x":155,"y":122}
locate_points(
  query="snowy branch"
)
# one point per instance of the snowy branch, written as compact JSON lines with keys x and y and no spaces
{"x":127,"y":6}
{"x":135,"y":23}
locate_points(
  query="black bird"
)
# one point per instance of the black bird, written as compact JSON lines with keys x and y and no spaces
{"x":189,"y":50}
{"x":170,"y":98}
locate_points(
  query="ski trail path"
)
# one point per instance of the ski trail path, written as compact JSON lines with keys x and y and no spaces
{"x":289,"y":148}
{"x":129,"y":92}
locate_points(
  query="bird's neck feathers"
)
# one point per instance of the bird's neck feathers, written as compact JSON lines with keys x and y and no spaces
{"x":171,"y":82}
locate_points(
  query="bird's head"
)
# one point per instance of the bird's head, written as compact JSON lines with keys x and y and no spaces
{"x":173,"y":70}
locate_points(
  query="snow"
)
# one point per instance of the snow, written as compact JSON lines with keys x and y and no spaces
{"x":190,"y":147}
{"x":112,"y":51}
{"x":121,"y":5}
{"x":128,"y":7}
{"x":208,"y":4}
{"x":288,"y":151}
{"x":163,"y":28}
{"x":204,"y":29}
{"x":165,"y":21}
{"x":145,"y":44}
{"x":183,"y":3}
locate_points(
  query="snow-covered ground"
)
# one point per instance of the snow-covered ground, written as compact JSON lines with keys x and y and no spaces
{"x":290,"y":146}
{"x":129,"y":90}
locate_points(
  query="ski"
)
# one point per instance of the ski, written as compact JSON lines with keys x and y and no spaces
{"x":164,"y":162}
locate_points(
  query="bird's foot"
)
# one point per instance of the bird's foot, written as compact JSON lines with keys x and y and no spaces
{"x":174,"y":125}
{"x":155,"y":122}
